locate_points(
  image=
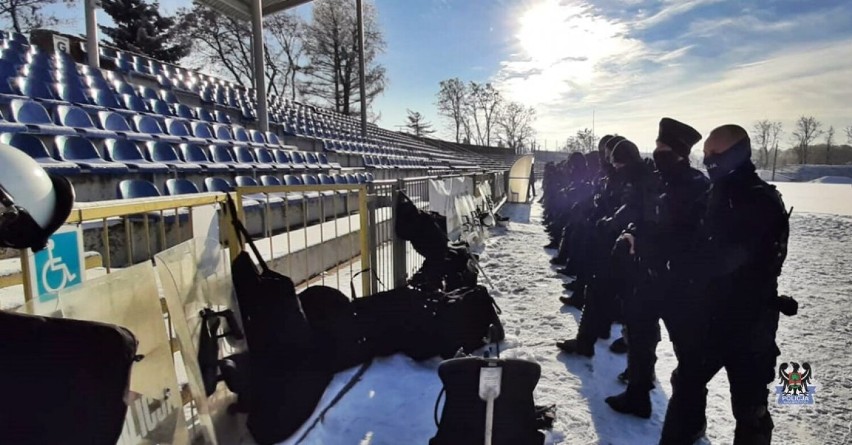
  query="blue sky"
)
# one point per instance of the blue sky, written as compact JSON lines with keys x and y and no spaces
{"x":630,"y":62}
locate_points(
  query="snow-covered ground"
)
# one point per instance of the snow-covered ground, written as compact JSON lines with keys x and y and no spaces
{"x":393,"y":402}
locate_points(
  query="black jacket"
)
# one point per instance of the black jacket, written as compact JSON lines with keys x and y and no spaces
{"x":744,"y":246}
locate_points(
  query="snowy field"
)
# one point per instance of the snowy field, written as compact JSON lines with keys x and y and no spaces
{"x":393,"y":403}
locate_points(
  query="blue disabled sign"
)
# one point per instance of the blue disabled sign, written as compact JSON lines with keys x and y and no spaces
{"x":59,"y":265}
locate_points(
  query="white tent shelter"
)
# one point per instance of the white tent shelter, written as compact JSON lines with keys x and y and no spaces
{"x":519,"y":179}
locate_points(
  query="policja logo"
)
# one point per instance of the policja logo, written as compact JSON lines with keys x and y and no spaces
{"x":796,"y":386}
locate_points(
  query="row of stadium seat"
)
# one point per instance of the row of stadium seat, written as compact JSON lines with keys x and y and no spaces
{"x":140,"y":188}
{"x":76,"y":154}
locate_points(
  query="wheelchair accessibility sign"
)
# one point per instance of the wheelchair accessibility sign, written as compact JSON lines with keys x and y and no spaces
{"x":59,"y":265}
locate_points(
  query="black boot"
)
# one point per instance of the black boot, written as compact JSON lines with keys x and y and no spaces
{"x":574,"y":286}
{"x":553,"y":245}
{"x":574,"y":346}
{"x":619,"y":346}
{"x":567,"y":272}
{"x":558,"y":261}
{"x":573,"y":300}
{"x":637,"y":403}
{"x":624,"y":377}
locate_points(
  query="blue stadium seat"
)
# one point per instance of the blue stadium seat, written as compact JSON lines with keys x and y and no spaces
{"x":256,"y":137}
{"x":34,"y":147}
{"x":264,"y":156}
{"x":311,"y":160}
{"x":164,"y":153}
{"x":35,"y":117}
{"x":137,"y":188}
{"x":149,"y":125}
{"x":179,"y":128}
{"x":35,"y":88}
{"x":241,"y":135}
{"x":11,"y":127}
{"x":367,"y":161}
{"x":160,"y":107}
{"x":82,"y":152}
{"x":123,"y":88}
{"x":205,"y":115}
{"x":272,"y":139}
{"x":282,"y":158}
{"x":168,"y":97}
{"x":351,"y":179}
{"x":362,"y":178}
{"x":222,"y":154}
{"x":148,"y":93}
{"x":203,"y":130}
{"x":176,"y":187}
{"x":222,"y":117}
{"x":128,"y":153}
{"x":71,"y":92}
{"x":105,"y":98}
{"x":111,"y":121}
{"x":370,"y":177}
{"x":13,"y":56}
{"x":134,"y":103}
{"x":73,"y":117}
{"x":325,"y":179}
{"x":297,"y":160}
{"x":184,"y":111}
{"x":335,"y":178}
{"x":272,"y":199}
{"x":195,"y":154}
{"x":322,"y":159}
{"x":165,"y":81}
{"x":223,"y":186}
{"x":246,"y":156}
{"x":222,"y":132}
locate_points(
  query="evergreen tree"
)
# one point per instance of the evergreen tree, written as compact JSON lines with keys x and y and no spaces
{"x":140,"y":28}
{"x":417,"y":124}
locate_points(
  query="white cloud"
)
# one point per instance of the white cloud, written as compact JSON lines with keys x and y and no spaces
{"x":672,"y":9}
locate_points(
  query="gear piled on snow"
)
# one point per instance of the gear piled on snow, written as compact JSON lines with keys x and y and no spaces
{"x":297,"y":342}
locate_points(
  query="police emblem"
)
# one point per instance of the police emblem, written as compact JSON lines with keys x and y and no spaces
{"x":796,"y":384}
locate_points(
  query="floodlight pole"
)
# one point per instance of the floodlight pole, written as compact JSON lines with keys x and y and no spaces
{"x":259,"y":67}
{"x":362,"y":71}
{"x":92,"y":49}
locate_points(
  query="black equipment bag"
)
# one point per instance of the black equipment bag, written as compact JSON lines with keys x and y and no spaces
{"x":288,"y":371}
{"x":464,"y":318}
{"x":420,"y":228}
{"x":335,"y":326}
{"x":63,"y":381}
{"x":463,"y":417}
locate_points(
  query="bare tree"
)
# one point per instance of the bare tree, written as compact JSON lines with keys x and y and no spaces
{"x":849,"y":134}
{"x":222,"y":46}
{"x":807,"y":130}
{"x":516,"y":125}
{"x":287,"y":33}
{"x":829,"y":141}
{"x":452,"y":100}
{"x":417,"y":124}
{"x":27,"y":15}
{"x":332,"y":44}
{"x":762,"y":132}
{"x":482,"y":108}
{"x":584,"y":141}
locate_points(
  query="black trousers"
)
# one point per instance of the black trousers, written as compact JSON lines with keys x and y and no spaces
{"x":748,"y":354}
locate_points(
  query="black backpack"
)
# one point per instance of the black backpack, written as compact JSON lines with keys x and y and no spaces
{"x":63,"y":381}
{"x":463,"y":416}
{"x":288,"y":371}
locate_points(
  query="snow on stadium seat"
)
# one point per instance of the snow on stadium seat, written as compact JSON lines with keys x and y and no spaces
{"x":245,"y":155}
{"x":128,"y":153}
{"x":36,"y":149}
{"x":35,"y":117}
{"x":164,"y":153}
{"x":222,"y":154}
{"x":195,"y":154}
{"x":82,"y":152}
{"x":74,"y":117}
{"x":175,"y":187}
{"x":137,"y":188}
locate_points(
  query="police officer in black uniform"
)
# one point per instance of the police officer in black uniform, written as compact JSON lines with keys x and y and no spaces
{"x":743,"y":247}
{"x":663,"y":232}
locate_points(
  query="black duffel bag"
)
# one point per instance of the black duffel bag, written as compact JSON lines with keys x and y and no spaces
{"x":464,"y":318}
{"x":63,"y":381}
{"x":420,"y":228}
